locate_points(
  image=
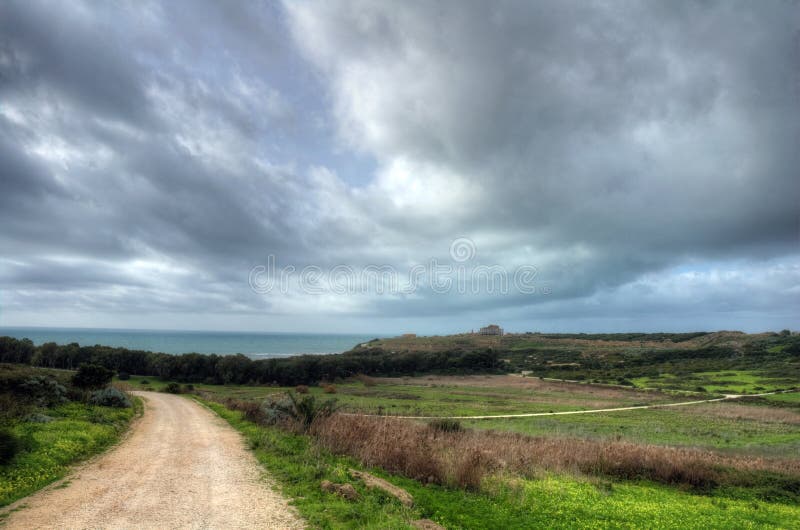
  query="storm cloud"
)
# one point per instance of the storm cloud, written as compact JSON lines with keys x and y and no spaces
{"x":642,"y":156}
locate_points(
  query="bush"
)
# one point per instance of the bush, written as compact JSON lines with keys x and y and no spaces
{"x":110,"y":397}
{"x":173,"y":388}
{"x":251,"y":411}
{"x":188,"y":389}
{"x":329,"y":389}
{"x":445,"y":425}
{"x":301,"y":389}
{"x":92,"y":376}
{"x":144,"y":382}
{"x":11,"y":407}
{"x":300,"y":411}
{"x":9,"y":446}
{"x":124,"y":376}
{"x":43,"y":391}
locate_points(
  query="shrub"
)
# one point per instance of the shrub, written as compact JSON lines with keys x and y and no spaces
{"x":301,"y":389}
{"x":144,"y":382}
{"x":251,"y":410}
{"x":9,"y":446}
{"x":300,"y":412}
{"x":92,"y":376}
{"x":329,"y":389}
{"x":124,"y":376}
{"x":445,"y":425}
{"x":173,"y":388}
{"x":43,"y":391}
{"x":188,"y":389}
{"x":11,"y":407}
{"x":110,"y":397}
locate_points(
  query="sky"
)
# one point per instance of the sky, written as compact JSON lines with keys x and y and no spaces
{"x":387,"y":167}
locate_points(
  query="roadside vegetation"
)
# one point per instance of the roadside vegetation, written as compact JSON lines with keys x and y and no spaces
{"x":461,"y":478}
{"x":51,"y":419}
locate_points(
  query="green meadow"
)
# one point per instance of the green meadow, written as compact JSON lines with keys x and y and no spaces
{"x":549,"y":501}
{"x":76,"y":432}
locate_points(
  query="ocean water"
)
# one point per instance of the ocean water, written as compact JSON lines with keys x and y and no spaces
{"x":256,"y":345}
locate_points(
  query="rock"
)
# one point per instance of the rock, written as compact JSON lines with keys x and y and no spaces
{"x":345,"y":490}
{"x":426,"y":524}
{"x":372,"y":481}
{"x":348,"y":492}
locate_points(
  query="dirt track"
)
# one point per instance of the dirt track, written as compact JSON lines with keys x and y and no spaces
{"x":181,"y":467}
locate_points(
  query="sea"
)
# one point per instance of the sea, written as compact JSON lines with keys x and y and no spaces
{"x":255,"y":345}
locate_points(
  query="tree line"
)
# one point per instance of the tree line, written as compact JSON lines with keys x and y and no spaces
{"x":240,"y":369}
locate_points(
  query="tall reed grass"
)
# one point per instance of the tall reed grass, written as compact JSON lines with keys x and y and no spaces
{"x":463,"y":458}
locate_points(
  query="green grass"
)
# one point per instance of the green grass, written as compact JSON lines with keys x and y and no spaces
{"x":299,"y":468}
{"x":78,"y":432}
{"x":669,"y":426}
{"x":681,"y":426}
{"x":789,"y":397}
{"x":728,"y":381}
{"x":419,"y":397}
{"x":553,"y":501}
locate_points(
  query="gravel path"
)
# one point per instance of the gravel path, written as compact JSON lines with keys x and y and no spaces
{"x":181,"y":467}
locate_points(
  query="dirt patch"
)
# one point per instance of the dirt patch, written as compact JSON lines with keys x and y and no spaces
{"x":372,"y":481}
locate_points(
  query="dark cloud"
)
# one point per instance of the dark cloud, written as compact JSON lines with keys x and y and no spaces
{"x":152,"y":153}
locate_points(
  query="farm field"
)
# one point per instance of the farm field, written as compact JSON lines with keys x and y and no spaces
{"x":453,"y":395}
{"x":726,"y":425}
{"x":766,"y":425}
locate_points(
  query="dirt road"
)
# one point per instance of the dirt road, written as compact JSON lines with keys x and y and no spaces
{"x":181,"y":467}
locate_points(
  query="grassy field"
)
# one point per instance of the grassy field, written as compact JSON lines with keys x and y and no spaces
{"x":760,"y":434}
{"x":451,"y":395}
{"x":77,"y":432}
{"x":737,"y":426}
{"x":719,"y":425}
{"x":551,"y":500}
{"x":789,"y":397}
{"x":722,"y":382}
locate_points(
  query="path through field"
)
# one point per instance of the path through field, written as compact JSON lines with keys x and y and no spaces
{"x":727,"y":397}
{"x":181,"y":467}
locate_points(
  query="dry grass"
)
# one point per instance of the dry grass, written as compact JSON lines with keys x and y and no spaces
{"x":366,"y":380}
{"x":600,"y":393}
{"x":251,"y":410}
{"x":463,"y":459}
{"x":744,"y":412}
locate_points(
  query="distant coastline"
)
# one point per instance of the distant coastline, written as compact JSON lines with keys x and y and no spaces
{"x":256,"y":345}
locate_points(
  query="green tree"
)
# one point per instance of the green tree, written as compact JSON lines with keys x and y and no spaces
{"x":92,"y":376}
